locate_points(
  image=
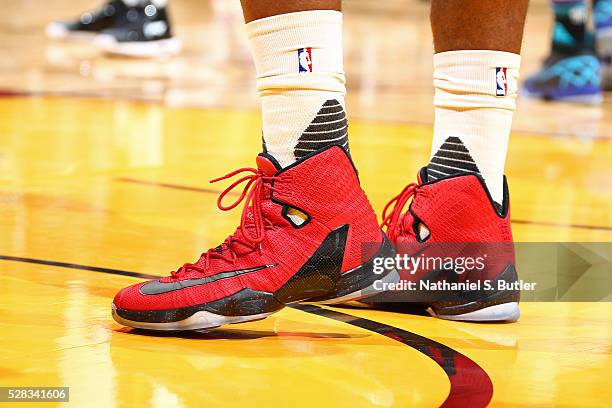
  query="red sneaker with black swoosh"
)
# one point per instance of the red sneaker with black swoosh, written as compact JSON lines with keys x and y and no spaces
{"x":301,"y":238}
{"x":460,"y":251}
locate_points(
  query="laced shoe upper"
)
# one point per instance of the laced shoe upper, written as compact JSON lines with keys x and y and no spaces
{"x":268,"y":247}
{"x":141,"y":24}
{"x":99,"y":19}
{"x":449,"y":218}
{"x":453,"y":209}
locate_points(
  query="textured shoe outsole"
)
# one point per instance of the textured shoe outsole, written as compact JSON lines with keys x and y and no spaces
{"x":505,"y":312}
{"x":197,"y":321}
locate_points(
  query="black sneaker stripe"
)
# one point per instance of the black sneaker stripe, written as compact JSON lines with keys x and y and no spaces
{"x":454,"y":155}
{"x":342,"y":137}
{"x":329,"y":127}
{"x":451,"y":158}
{"x":157,"y":287}
{"x":331,"y":110}
{"x":457,"y":164}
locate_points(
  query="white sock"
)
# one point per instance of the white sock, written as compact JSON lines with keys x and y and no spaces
{"x":475,"y":100}
{"x":301,"y":82}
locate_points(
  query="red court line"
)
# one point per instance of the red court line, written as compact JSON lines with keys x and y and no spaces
{"x":470,"y":387}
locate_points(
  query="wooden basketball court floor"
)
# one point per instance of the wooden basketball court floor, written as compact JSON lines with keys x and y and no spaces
{"x":104,"y":165}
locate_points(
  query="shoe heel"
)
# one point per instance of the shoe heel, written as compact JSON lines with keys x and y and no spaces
{"x":362,"y":282}
{"x":484,"y":306}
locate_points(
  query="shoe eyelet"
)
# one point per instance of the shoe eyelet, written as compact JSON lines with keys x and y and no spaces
{"x":420,"y":230}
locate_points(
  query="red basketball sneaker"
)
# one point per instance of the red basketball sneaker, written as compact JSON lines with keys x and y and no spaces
{"x":301,"y":237}
{"x":456,"y":254}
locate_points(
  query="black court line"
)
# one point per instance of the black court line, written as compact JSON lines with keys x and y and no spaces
{"x":470,"y":385}
{"x":212,"y":191}
{"x":77,"y":266}
{"x":169,"y":185}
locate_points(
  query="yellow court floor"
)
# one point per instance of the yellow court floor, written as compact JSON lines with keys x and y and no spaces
{"x":96,"y":194}
{"x":104,"y":169}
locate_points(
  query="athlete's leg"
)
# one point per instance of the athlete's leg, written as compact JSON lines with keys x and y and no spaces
{"x":478,"y":25}
{"x":257,"y":9}
{"x":462,"y":196}
{"x":570,"y":34}
{"x":477,"y":59}
{"x":297,"y":49}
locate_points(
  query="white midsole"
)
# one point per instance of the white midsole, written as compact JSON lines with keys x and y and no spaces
{"x":205,"y":320}
{"x":198,"y":320}
{"x":508,"y":312}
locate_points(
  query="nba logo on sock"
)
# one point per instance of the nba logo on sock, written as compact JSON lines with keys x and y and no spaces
{"x":305,"y":59}
{"x":502,"y":81}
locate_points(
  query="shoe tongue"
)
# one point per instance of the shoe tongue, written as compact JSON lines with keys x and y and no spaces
{"x":267,"y":164}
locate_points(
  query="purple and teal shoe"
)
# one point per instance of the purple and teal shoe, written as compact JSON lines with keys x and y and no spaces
{"x":571,"y":78}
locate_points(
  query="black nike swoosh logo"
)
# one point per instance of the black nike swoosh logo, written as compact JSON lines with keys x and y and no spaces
{"x":157,"y":287}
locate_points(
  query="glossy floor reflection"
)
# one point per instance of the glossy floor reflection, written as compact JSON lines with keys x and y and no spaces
{"x":123,"y":186}
{"x":387,"y":58}
{"x":104,"y":169}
